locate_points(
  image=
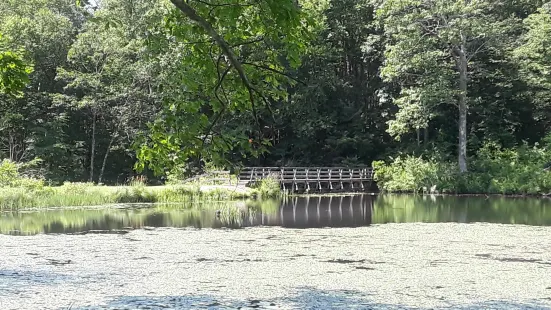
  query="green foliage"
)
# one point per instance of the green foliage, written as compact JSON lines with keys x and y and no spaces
{"x":534,"y":57}
{"x":415,"y":174}
{"x":229,"y":85}
{"x":136,"y":194}
{"x":10,"y":176}
{"x":535,"y":51}
{"x":14,"y":72}
{"x":333,"y":83}
{"x":269,"y":187}
{"x":495,"y":170}
{"x":9,"y":173}
{"x":432,"y":50}
{"x":29,"y":193}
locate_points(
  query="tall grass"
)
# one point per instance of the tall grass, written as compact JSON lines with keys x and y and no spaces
{"x":84,"y":194}
{"x":18,"y":192}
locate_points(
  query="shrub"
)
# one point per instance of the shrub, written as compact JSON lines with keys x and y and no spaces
{"x":179,"y":193}
{"x":414,"y":174}
{"x":513,"y":171}
{"x":494,"y":170}
{"x":10,"y":176}
{"x":136,"y":194}
{"x":269,"y":187}
{"x":8,"y":173}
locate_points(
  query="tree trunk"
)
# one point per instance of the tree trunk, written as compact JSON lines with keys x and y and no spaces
{"x":105,"y":159}
{"x":418,"y":136}
{"x":463,"y":67}
{"x":426,"y":135}
{"x":93,"y":151}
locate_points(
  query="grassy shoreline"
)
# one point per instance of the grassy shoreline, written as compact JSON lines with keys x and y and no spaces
{"x":19,"y":191}
{"x":83,"y":194}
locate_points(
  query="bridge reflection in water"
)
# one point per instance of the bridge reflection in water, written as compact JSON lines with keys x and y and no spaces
{"x":310,"y":212}
{"x":295,"y":212}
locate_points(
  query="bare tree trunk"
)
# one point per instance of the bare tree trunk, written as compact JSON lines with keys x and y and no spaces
{"x":463,"y":67}
{"x":418,"y":136}
{"x":426,"y":135}
{"x":93,"y":151}
{"x":11,"y":147}
{"x":105,"y":159}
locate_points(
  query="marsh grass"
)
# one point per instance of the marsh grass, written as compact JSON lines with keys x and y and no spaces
{"x":84,"y":194}
{"x":18,"y":191}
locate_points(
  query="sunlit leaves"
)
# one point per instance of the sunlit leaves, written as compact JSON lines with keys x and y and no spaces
{"x":535,"y":52}
{"x":421,"y":53}
{"x":204,"y":93}
{"x":14,"y":73}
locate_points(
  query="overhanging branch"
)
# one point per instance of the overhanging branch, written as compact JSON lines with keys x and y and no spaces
{"x":224,"y":46}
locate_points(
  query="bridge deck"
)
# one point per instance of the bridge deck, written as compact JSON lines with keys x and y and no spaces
{"x":297,"y":178}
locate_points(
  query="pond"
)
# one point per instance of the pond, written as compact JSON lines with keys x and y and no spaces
{"x":293,"y":212}
{"x":380,"y":252}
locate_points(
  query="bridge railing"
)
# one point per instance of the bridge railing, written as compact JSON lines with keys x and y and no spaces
{"x":307,"y":174}
{"x":213,"y":177}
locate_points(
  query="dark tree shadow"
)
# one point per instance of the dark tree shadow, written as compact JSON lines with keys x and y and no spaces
{"x":303,"y":298}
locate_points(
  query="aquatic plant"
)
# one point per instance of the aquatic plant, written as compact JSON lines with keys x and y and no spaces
{"x":269,"y":187}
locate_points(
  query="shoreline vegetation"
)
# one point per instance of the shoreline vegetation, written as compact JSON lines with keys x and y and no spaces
{"x":511,"y":173}
{"x":21,"y":191}
{"x":447,"y":98}
{"x":494,"y":170}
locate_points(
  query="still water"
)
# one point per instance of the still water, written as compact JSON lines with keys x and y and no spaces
{"x":296,"y":212}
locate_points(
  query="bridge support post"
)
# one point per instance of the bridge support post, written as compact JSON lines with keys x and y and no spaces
{"x":307,"y":182}
{"x":319,"y":181}
{"x":340,"y":178}
{"x":295,"y":179}
{"x":352,"y":179}
{"x":362,"y":177}
{"x":330,"y":176}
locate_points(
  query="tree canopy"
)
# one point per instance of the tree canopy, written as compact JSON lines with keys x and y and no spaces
{"x":98,"y":90}
{"x":14,"y":71}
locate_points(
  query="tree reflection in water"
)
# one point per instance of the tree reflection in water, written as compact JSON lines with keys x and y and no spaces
{"x":292,"y":212}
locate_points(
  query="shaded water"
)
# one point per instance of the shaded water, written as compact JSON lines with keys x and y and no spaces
{"x":296,"y":212}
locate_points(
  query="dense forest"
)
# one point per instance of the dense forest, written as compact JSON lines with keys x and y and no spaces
{"x":97,"y":90}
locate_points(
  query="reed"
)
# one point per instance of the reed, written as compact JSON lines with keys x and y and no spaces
{"x":85,"y":194}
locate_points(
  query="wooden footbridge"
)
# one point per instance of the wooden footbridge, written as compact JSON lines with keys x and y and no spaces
{"x":307,"y":179}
